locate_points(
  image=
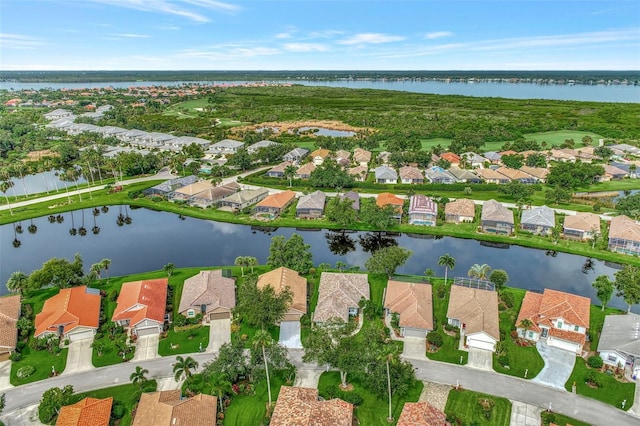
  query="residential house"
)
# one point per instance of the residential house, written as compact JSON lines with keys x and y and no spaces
{"x":304,"y":172}
{"x":209,"y":293}
{"x":619,"y":344}
{"x":273,"y":205}
{"x":342,"y":155}
{"x":581,"y":226}
{"x":86,"y":412}
{"x":562,"y":155}
{"x":491,"y":176}
{"x":311,"y":206}
{"x":384,"y":156}
{"x":298,"y":406}
{"x":353,"y":196}
{"x":496,"y":218}
{"x":560,"y":318}
{"x":282,"y":278}
{"x":626,"y":148}
{"x":539,"y":173}
{"x":473,"y":160}
{"x":517,"y":175}
{"x":387,"y":199}
{"x":58,"y":114}
{"x":414,"y":305}
{"x":464,"y":176}
{"x":451,"y":157}
{"x":385,"y":174}
{"x":260,"y":144}
{"x":188,"y":191}
{"x":475,"y":312}
{"x":212,"y":195}
{"x":319,"y":155}
{"x":73,"y":313}
{"x":296,"y":155}
{"x":243,"y":199}
{"x":493,"y":157}
{"x":184,"y":141}
{"x":437,"y":174}
{"x":278,"y":171}
{"x":361,"y":157}
{"x":585,"y":154}
{"x":359,"y":173}
{"x":538,"y":220}
{"x":624,"y":235}
{"x":422,"y":210}
{"x":171,"y":185}
{"x":421,"y":414}
{"x":460,"y":211}
{"x":132,"y":136}
{"x":614,"y":173}
{"x":411,"y":175}
{"x":9,"y":316}
{"x":339,"y":295}
{"x":141,"y":306}
{"x":225,"y":146}
{"x":632,"y":172}
{"x":169,"y":408}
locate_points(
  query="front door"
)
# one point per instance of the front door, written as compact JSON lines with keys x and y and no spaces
{"x":545,"y":331}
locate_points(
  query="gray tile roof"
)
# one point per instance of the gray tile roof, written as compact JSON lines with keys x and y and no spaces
{"x":621,"y":333}
{"x":386,"y":172}
{"x":493,"y":210}
{"x":208,"y":288}
{"x":541,"y":216}
{"x":315,"y":200}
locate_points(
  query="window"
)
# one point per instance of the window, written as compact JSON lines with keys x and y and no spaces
{"x":190,"y":313}
{"x":576,"y":328}
{"x":531,"y":335}
{"x":559,"y":324}
{"x":612,"y":358}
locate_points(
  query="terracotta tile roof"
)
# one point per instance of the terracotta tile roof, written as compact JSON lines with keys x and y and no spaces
{"x":613,"y":170}
{"x":460,"y":207}
{"x":358,"y":171}
{"x":537,"y":172}
{"x":421,"y":414}
{"x":413,"y":302}
{"x":343,"y":154}
{"x":87,"y":412}
{"x":282,"y":278}
{"x":490,"y":174}
{"x":195,"y":188}
{"x":361,"y":155}
{"x":493,"y":210}
{"x":476,"y":309}
{"x":386,"y":198}
{"x":513,"y":173}
{"x":322,"y":153}
{"x":9,"y":315}
{"x":337,"y":293}
{"x":208,"y":288}
{"x":139,"y":300}
{"x":568,"y":335}
{"x":530,"y":309}
{"x":279,"y":200}
{"x":300,"y":407}
{"x":71,"y":307}
{"x":625,"y":228}
{"x":306,"y":169}
{"x":450,"y":157}
{"x":413,"y":173}
{"x":166,"y":408}
{"x":583,"y":222}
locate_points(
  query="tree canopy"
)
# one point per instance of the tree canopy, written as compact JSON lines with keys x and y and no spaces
{"x":330,"y":175}
{"x":292,"y":253}
{"x":628,"y":285}
{"x":604,"y":289}
{"x":386,"y":260}
{"x":58,"y":272}
{"x":262,"y":307}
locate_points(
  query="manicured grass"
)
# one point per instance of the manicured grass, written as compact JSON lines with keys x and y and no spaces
{"x":521,"y":358}
{"x":247,"y":332}
{"x":464,"y":405}
{"x":42,"y":361}
{"x":373,"y":411}
{"x":596,"y":321}
{"x":611,"y":392}
{"x":449,"y":351}
{"x":558,"y":137}
{"x":187,"y":341}
{"x":109,"y":355}
{"x":377,"y":284}
{"x":560,"y":420}
{"x":251,"y":409}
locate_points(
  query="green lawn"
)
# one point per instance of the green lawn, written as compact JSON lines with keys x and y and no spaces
{"x":464,"y":405}
{"x":109,"y":355}
{"x":611,"y":392}
{"x":373,"y":411}
{"x":42,"y":361}
{"x":184,"y":342}
{"x":251,"y":409}
{"x":558,"y":137}
{"x":247,"y":332}
{"x":560,"y":420}
{"x":449,"y":351}
{"x":596,"y":322}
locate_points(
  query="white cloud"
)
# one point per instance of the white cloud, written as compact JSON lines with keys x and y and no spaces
{"x":370,"y":38}
{"x":183,"y":8}
{"x":130,"y":35}
{"x":169,"y":27}
{"x":17,"y":41}
{"x":324,"y":34}
{"x":438,"y":34}
{"x":305,"y":47}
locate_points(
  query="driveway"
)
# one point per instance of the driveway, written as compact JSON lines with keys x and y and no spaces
{"x":290,"y":334}
{"x":481,"y":359}
{"x":558,"y":365}
{"x":415,"y":347}
{"x":524,"y":414}
{"x":5,"y":370}
{"x":147,"y":347}
{"x":219,"y":334}
{"x":79,"y":357}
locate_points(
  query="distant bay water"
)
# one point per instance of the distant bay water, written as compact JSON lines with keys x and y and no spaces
{"x":622,"y":93}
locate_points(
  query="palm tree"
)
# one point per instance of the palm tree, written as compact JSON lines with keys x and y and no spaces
{"x":73,"y":230}
{"x":220,"y":387}
{"x":526,"y":324}
{"x":17,"y":282}
{"x":169,"y":268}
{"x":390,"y":356}
{"x":252,"y":261}
{"x":82,"y":230}
{"x":480,"y":272}
{"x":105,"y":265}
{"x":97,"y":268}
{"x":5,"y":185}
{"x":138,"y":377}
{"x":241,"y":261}
{"x":263,"y":339}
{"x":341,"y":265}
{"x":448,"y":262}
{"x":184,"y":367}
{"x":32,"y":228}
{"x":289,"y":173}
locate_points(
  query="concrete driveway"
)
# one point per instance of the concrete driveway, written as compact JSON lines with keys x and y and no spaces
{"x":290,"y":334}
{"x":5,"y":371}
{"x":415,"y":347}
{"x":481,"y":359}
{"x":79,"y":356}
{"x":558,"y":365}
{"x":524,"y":414}
{"x":219,"y":334}
{"x":147,"y":347}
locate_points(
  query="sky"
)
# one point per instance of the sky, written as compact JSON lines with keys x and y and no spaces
{"x":319,"y":35}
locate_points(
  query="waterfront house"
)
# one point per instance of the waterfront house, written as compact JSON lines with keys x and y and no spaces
{"x":73,"y":314}
{"x":141,"y":306}
{"x":243,"y":199}
{"x":614,"y":173}
{"x":339,"y":295}
{"x":209,"y":293}
{"x":296,"y":155}
{"x":171,"y":185}
{"x":304,"y":172}
{"x":225,"y":146}
{"x":491,"y":176}
{"x":517,"y":175}
{"x":538,"y":220}
{"x":86,"y":412}
{"x":353,"y":196}
{"x":210,"y":196}
{"x":411,"y":175}
{"x":437,"y":174}
{"x":361,"y":157}
{"x":464,"y":176}
{"x":560,"y":318}
{"x":581,"y":226}
{"x":260,"y":144}
{"x":385,"y":174}
{"x":319,"y":155}
{"x":619,"y":344}
{"x":422,"y":210}
{"x":282,"y":278}
{"x":298,"y":406}
{"x":496,"y":218}
{"x":421,"y":414}
{"x":387,"y":199}
{"x":273,"y":205}
{"x":188,"y":191}
{"x":475,"y":312}
{"x":460,"y":210}
{"x":169,"y":408}
{"x":451,"y":157}
{"x":9,"y":316}
{"x":359,"y":173}
{"x":414,"y":305}
{"x":624,"y":235}
{"x":278,"y":171}
{"x":311,"y":206}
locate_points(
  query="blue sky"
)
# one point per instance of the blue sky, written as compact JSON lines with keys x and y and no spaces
{"x":319,"y":35}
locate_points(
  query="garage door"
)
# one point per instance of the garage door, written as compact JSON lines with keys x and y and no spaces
{"x":563,"y":344}
{"x":147,"y":331}
{"x":219,"y":315}
{"x":475,"y":343}
{"x":81,"y":335}
{"x":414,"y":332}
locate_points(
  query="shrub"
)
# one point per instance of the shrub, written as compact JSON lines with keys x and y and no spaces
{"x":503,"y":360}
{"x":113,"y":296}
{"x":305,"y":321}
{"x":25,"y":371}
{"x":15,"y":357}
{"x":351,"y":397}
{"x":441,"y":292}
{"x":117,"y":411}
{"x":592,"y":379}
{"x":595,"y":362}
{"x":435,"y":338}
{"x":507,"y":298}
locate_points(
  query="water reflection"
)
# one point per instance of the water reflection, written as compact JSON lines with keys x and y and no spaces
{"x":374,"y":241}
{"x":340,"y":243}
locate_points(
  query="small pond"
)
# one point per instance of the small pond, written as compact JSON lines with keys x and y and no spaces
{"x":322,"y":131}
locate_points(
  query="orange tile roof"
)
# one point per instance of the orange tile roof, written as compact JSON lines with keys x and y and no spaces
{"x":9,"y":315}
{"x":71,"y":307}
{"x":412,"y":301}
{"x":450,"y":157}
{"x":568,"y":335}
{"x":278,"y":200}
{"x":386,"y":198}
{"x":421,"y":414}
{"x":167,"y":408}
{"x":300,"y":407}
{"x":150,"y":298}
{"x":281,"y":278}
{"x":88,"y":412}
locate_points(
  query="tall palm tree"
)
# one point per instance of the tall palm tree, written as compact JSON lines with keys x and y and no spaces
{"x":97,"y":268}
{"x":17,"y":282}
{"x":252,"y":261}
{"x":184,"y":367}
{"x":73,"y":230}
{"x":289,"y":173}
{"x":138,"y":377}
{"x":105,"y":265}
{"x":241,"y":261}
{"x":448,"y":262}
{"x":390,"y":356}
{"x":262,"y":339}
{"x":5,"y":185}
{"x":480,"y":272}
{"x":220,"y":387}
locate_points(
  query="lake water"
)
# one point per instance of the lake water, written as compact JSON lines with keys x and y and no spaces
{"x":156,"y":238}
{"x":321,"y":131}
{"x":577,"y":92}
{"x":41,"y":182}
